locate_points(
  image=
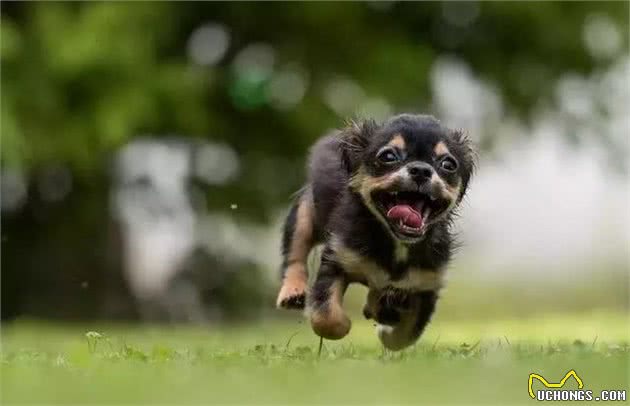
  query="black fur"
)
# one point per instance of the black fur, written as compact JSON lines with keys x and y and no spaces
{"x":341,"y":211}
{"x":426,"y":307}
{"x":287,"y":235}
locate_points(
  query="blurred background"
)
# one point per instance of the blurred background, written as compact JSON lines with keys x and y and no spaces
{"x":150,"y":149}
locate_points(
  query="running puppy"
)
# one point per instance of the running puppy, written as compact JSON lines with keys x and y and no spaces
{"x":381,"y":198}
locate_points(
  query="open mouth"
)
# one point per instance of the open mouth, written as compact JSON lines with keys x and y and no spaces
{"x":407,"y":212}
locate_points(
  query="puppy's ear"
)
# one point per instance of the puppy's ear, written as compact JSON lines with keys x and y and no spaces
{"x":466,"y":152}
{"x":355,"y":138}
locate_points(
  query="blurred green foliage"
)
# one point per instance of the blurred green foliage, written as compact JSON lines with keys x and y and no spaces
{"x":80,"y":79}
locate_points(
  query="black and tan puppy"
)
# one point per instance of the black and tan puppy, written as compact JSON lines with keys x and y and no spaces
{"x":381,"y":198}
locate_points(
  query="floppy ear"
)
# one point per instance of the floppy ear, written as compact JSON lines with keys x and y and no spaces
{"x":467,"y":154}
{"x":355,"y":138}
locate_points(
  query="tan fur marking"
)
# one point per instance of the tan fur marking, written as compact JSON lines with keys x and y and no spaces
{"x":365,"y":184}
{"x":397,"y":141}
{"x":454,"y":190}
{"x":294,"y":283}
{"x":302,"y":241}
{"x":332,"y":322}
{"x":360,"y":268}
{"x":440,"y":149}
{"x":428,"y":280}
{"x":296,"y":276}
{"x":446,"y":190}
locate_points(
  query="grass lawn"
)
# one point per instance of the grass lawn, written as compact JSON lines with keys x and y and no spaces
{"x":276,"y":362}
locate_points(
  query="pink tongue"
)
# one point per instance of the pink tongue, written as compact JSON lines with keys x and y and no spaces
{"x":409,"y":216}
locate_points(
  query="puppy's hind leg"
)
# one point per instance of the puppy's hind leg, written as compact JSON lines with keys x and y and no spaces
{"x":297,"y":242}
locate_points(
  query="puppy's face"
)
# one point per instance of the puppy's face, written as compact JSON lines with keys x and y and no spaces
{"x":410,"y":172}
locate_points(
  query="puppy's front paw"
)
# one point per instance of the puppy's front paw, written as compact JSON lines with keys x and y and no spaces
{"x":386,"y":306}
{"x":395,"y":338}
{"x":331,"y":325}
{"x":292,"y":296}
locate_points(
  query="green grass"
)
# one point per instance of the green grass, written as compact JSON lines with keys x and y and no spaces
{"x":277,"y":363}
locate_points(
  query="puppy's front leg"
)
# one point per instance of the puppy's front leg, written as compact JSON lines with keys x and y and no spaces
{"x":326,"y":297}
{"x":407,"y":329}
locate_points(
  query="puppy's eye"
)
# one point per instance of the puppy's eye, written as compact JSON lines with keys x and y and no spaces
{"x":387,"y":156}
{"x":448,"y":164}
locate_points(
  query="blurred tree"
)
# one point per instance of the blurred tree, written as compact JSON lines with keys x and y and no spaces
{"x":81,"y":79}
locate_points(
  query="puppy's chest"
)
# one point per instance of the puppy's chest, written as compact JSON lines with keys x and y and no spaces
{"x":404,"y":276}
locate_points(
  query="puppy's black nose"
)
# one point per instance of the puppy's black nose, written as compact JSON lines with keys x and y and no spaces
{"x":420,"y":171}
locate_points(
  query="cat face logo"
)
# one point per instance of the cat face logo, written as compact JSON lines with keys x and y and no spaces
{"x":553,"y":385}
